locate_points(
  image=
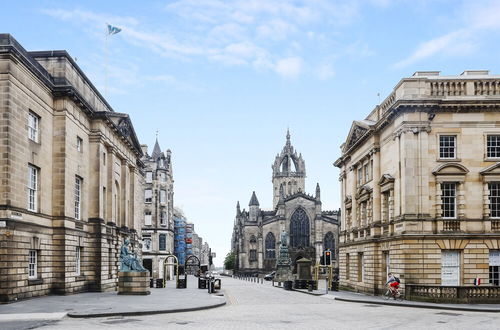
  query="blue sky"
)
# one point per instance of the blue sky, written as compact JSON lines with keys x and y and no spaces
{"x":222,"y":80}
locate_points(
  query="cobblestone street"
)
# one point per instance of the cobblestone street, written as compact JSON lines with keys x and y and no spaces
{"x":260,"y":306}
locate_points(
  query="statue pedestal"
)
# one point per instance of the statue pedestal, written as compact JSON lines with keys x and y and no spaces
{"x":133,"y":283}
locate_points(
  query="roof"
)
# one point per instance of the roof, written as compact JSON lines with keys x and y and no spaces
{"x":156,"y":150}
{"x":254,"y":200}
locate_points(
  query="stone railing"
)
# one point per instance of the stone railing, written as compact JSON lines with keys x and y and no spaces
{"x":451,"y":225}
{"x":495,"y":225}
{"x":465,"y":87}
{"x":442,"y":88}
{"x":453,"y":294}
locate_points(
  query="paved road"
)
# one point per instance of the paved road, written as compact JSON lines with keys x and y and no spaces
{"x":260,"y":306}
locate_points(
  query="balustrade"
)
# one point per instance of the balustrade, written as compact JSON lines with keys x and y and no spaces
{"x":456,"y":294}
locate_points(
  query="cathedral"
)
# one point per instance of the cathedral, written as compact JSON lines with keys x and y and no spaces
{"x":256,"y":233}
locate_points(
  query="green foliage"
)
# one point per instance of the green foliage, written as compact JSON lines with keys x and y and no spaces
{"x":229,"y":261}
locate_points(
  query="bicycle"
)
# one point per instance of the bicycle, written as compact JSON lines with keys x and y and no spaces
{"x":395,"y":294}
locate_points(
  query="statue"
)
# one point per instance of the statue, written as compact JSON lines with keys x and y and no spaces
{"x":129,"y":261}
{"x":283,"y":263}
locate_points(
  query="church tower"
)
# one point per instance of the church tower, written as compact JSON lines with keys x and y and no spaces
{"x":289,"y":172}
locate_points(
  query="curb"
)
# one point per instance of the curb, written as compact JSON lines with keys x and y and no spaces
{"x":138,"y":313}
{"x":452,"y":308}
{"x":309,"y":293}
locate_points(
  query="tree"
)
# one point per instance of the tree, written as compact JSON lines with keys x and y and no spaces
{"x":229,"y":261}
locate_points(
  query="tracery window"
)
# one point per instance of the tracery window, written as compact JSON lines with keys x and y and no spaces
{"x":270,"y":246}
{"x":299,"y":229}
{"x":329,"y":242}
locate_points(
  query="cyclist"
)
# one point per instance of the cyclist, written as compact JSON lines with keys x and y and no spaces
{"x":393,"y":283}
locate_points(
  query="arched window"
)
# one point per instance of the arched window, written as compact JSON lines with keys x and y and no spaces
{"x":299,"y":229}
{"x":270,"y":246}
{"x":329,"y":242}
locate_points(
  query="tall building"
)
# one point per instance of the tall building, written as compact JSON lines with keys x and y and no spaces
{"x":420,"y":179}
{"x":71,"y":178}
{"x":158,"y":230}
{"x":311,"y":231}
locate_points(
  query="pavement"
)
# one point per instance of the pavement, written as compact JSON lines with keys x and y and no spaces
{"x":105,"y":304}
{"x":379,"y":300}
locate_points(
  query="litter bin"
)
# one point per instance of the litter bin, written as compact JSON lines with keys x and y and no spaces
{"x":287,"y":285}
{"x":335,"y":285}
{"x":181,"y":283}
{"x":202,"y":283}
{"x":217,"y":284}
{"x":159,"y":283}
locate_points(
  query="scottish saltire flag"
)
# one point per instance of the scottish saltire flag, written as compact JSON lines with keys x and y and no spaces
{"x":113,"y":30}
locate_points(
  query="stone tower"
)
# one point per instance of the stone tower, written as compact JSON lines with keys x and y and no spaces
{"x":289,"y":172}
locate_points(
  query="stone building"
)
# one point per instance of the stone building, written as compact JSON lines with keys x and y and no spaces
{"x":256,"y":232}
{"x":158,"y":230}
{"x":420,"y":182}
{"x":71,"y":178}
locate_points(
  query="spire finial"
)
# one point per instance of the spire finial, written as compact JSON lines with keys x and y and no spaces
{"x":288,"y":137}
{"x":157,"y":135}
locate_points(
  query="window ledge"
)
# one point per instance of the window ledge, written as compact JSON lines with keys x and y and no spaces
{"x":444,"y":160}
{"x":35,"y":281}
{"x":80,"y":278}
{"x":492,"y":159}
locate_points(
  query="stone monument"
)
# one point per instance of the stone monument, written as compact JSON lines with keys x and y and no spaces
{"x":284,"y":263}
{"x":133,"y":278}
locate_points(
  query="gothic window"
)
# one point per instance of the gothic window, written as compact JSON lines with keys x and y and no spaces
{"x":329,"y":242}
{"x":299,"y":229}
{"x":270,"y":246}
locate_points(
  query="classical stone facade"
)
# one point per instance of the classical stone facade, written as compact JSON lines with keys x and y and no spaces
{"x":71,"y":181}
{"x":420,"y":179}
{"x":158,"y":230}
{"x":256,"y":233}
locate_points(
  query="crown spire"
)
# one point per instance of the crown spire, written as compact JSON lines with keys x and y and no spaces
{"x":288,"y":143}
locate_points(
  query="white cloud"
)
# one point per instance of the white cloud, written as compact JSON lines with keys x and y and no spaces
{"x":289,"y":67}
{"x":325,"y":71}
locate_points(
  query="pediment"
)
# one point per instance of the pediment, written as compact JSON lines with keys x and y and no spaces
{"x":357,"y":131}
{"x":385,"y":179}
{"x":491,"y":170}
{"x":450,"y":169}
{"x":362,"y":191}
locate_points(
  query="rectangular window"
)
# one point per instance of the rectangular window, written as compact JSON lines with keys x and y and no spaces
{"x":104,"y":198}
{"x":33,"y":124}
{"x":386,"y":263}
{"x":163,"y":196}
{"x":146,"y":243}
{"x":163,"y":242}
{"x":253,"y":255}
{"x":32,"y":188}
{"x":78,"y":197}
{"x":363,"y":213}
{"x":147,"y":218}
{"x":148,"y":196}
{"x":495,"y":267}
{"x":385,"y":206}
{"x":494,"y":188}
{"x":360,"y":176}
{"x":361,"y":267}
{"x":33,"y":264}
{"x":371,"y":169}
{"x":449,"y":200}
{"x":447,"y":147}
{"x":163,"y":218}
{"x":163,"y":177}
{"x":493,"y":146}
{"x":79,"y":143}
{"x":450,"y":267}
{"x":149,"y":177}
{"x":77,"y":261}
{"x":367,"y":173}
{"x":347,"y":267}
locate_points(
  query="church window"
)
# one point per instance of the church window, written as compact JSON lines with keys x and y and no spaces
{"x":299,"y":229}
{"x":270,"y":246}
{"x":253,"y":255}
{"x":329,"y":242}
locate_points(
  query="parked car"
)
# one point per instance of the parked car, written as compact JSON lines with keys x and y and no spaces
{"x":270,"y":276}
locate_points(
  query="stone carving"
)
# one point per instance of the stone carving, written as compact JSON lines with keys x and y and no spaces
{"x":129,"y":261}
{"x":284,"y":263}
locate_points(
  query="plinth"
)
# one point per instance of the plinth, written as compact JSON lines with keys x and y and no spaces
{"x":133,"y":283}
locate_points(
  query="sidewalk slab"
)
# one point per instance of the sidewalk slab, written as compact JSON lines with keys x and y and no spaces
{"x":105,"y":304}
{"x":378,"y":300}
